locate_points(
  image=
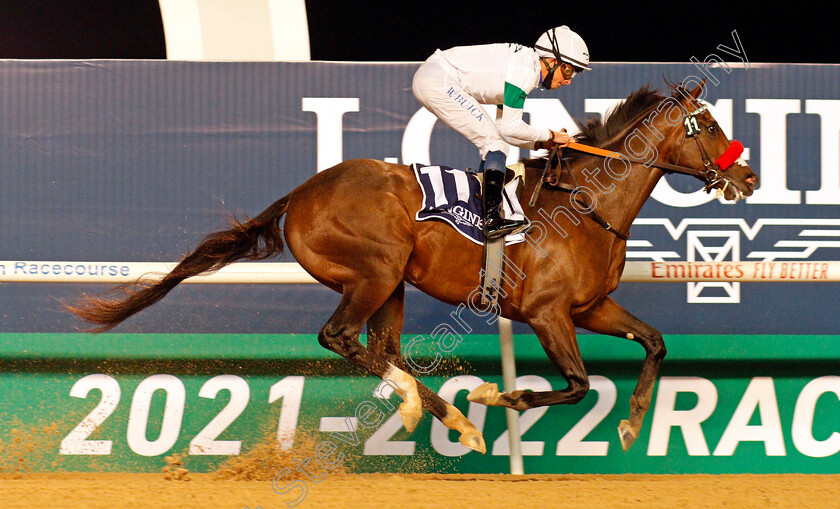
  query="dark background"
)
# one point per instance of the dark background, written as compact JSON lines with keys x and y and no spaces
{"x":398,"y":30}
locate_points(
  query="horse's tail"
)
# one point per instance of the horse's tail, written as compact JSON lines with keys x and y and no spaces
{"x":257,"y":239}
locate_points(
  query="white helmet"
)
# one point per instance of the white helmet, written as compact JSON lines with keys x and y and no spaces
{"x":565,"y":45}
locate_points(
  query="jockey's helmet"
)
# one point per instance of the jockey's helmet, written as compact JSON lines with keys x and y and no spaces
{"x":564,"y":45}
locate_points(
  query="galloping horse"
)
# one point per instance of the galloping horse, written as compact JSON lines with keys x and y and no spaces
{"x":352,"y":228}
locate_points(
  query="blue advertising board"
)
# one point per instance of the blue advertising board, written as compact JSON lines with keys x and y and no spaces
{"x":119,"y":161}
{"x":135,"y":161}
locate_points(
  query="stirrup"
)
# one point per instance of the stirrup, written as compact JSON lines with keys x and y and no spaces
{"x":525,"y":228}
{"x":506,"y":227}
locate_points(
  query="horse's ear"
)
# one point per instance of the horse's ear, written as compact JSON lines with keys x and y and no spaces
{"x":698,"y":89}
{"x":691,"y":97}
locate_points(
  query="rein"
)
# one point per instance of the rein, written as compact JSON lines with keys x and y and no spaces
{"x":593,"y":213}
{"x":711,"y":176}
{"x":668,"y":167}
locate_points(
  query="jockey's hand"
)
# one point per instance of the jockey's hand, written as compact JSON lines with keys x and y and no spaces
{"x":560,"y":138}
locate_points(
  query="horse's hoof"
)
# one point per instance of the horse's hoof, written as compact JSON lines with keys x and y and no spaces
{"x":411,"y":412}
{"x":626,"y":434}
{"x":411,"y":409}
{"x":473,"y":439}
{"x":486,"y":394}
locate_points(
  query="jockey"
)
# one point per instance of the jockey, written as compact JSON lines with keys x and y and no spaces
{"x":454,"y":83}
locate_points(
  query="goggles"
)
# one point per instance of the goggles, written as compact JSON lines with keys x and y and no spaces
{"x":567,"y":70}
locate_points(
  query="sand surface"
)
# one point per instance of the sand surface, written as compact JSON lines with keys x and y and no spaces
{"x":117,"y":490}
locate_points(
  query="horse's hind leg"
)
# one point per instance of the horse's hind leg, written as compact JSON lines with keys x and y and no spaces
{"x":556,"y":333}
{"x":610,"y":318}
{"x":341,"y":335}
{"x":384,"y":328}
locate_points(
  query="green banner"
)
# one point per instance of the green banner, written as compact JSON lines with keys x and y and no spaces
{"x":123,"y":402}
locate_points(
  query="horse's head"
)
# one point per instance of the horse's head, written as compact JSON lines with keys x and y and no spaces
{"x":706,"y":147}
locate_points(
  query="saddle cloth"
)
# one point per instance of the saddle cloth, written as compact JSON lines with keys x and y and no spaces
{"x":454,"y":196}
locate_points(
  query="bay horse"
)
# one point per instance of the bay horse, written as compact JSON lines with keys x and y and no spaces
{"x":352,"y":228}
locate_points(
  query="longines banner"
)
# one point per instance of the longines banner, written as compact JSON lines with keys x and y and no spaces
{"x":124,"y":162}
{"x":120,"y":161}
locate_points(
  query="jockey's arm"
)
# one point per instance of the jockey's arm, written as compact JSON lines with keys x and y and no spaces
{"x":517,"y":132}
{"x":511,"y":125}
{"x":559,"y":138}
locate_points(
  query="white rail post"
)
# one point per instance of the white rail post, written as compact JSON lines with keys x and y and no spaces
{"x":509,"y":382}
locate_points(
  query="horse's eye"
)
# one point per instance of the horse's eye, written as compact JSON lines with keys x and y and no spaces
{"x":713,"y":129}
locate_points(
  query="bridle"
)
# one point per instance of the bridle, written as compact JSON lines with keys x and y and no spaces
{"x":711,"y":175}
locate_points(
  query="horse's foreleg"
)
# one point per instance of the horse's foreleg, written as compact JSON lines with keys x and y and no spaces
{"x":556,"y":333}
{"x":341,"y":335}
{"x":610,"y":318}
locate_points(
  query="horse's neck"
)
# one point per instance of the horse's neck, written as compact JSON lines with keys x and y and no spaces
{"x":618,"y":198}
{"x":621,"y":205}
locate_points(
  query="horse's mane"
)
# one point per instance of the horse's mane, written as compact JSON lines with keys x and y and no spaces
{"x":599,"y":132}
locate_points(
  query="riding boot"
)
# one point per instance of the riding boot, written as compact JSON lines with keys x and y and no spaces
{"x":495,"y":225}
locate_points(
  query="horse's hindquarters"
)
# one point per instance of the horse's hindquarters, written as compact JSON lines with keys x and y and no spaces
{"x":348,"y":224}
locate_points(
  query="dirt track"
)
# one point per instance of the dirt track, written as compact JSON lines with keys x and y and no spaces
{"x":116,"y":491}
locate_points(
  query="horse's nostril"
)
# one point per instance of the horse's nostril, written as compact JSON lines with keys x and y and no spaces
{"x":752,"y":180}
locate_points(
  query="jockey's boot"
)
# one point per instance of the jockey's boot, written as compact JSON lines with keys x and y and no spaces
{"x":495,"y":225}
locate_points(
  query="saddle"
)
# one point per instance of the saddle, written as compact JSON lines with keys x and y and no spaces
{"x":454,"y":197}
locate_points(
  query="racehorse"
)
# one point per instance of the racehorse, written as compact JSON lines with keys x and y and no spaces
{"x":352,"y":228}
